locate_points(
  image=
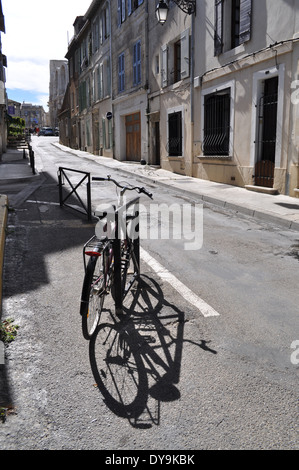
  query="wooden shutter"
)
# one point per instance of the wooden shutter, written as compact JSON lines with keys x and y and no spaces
{"x":245,"y":20}
{"x":218,"y":34}
{"x":119,"y":3}
{"x":164,"y":71}
{"x":185,"y":60}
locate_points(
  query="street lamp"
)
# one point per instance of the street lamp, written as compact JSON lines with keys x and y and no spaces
{"x":187,"y":6}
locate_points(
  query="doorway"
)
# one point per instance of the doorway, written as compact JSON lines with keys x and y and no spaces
{"x":133,"y":137}
{"x":264,"y":168}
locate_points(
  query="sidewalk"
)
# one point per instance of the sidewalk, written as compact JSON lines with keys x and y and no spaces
{"x":278,"y":209}
{"x":14,"y":168}
{"x":15,"y":171}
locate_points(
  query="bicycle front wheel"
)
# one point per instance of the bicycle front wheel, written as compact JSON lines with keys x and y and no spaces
{"x":93,"y":294}
{"x":119,"y":371}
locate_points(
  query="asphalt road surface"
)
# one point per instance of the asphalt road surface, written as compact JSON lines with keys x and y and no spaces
{"x":211,"y":331}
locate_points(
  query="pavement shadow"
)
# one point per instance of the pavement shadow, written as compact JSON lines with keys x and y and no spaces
{"x":136,"y":361}
{"x":38,"y":227}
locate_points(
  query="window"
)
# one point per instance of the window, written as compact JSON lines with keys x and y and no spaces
{"x":121,"y":72}
{"x":95,"y":35}
{"x":121,"y":11}
{"x":157,"y":64}
{"x":137,"y":64}
{"x":104,"y":25}
{"x":82,"y":96}
{"x":235,"y":24}
{"x":132,"y":5}
{"x":175,"y":140}
{"x":232,"y":24}
{"x":175,"y":62}
{"x":217,"y":123}
{"x":99,"y":82}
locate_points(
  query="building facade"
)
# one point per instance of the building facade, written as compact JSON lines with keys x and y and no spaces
{"x":3,"y":97}
{"x":246,"y":120}
{"x":34,"y":115}
{"x":59,"y":77}
{"x":211,"y":95}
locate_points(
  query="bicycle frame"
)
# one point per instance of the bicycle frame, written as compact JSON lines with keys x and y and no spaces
{"x":120,"y":289}
{"x":117,"y":240}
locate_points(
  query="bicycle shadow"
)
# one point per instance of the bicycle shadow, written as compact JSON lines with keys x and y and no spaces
{"x":136,"y":361}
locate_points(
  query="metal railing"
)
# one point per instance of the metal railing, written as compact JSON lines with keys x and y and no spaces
{"x":62,"y":177}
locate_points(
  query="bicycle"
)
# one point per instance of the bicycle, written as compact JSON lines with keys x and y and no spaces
{"x":110,"y":256}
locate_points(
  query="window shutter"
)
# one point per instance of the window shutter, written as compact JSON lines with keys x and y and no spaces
{"x":108,"y":70}
{"x":218,"y":38}
{"x":119,"y":3}
{"x":245,"y":20}
{"x":123,"y":11}
{"x":137,"y":63}
{"x":98,"y":77}
{"x":101,"y":80}
{"x":185,"y":59}
{"x":164,"y":71}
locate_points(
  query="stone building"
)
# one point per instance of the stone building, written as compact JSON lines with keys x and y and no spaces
{"x":59,"y":77}
{"x":211,"y":95}
{"x":34,"y":115}
{"x":3,"y":97}
{"x":246,"y":65}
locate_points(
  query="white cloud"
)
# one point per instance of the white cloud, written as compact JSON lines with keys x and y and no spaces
{"x":37,"y":32}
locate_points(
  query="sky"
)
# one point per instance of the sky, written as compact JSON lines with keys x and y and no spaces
{"x":36,"y":32}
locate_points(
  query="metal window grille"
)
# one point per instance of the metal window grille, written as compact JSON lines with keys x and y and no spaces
{"x":175,"y":134}
{"x":217,"y":123}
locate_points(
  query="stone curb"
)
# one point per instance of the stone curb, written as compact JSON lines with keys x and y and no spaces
{"x":3,"y":223}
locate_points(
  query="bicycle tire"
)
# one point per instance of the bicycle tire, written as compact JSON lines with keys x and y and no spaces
{"x":128,"y":263}
{"x":93,"y":294}
{"x":119,"y":370}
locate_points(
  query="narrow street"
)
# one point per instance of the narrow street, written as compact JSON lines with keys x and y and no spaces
{"x":219,"y":381}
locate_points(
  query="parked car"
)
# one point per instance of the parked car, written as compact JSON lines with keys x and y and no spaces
{"x":49,"y":131}
{"x":46,"y":131}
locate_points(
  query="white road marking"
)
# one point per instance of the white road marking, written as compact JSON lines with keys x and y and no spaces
{"x":44,"y":202}
{"x":205,"y":309}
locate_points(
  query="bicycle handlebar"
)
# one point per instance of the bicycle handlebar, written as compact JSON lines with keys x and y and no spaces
{"x":139,"y":189}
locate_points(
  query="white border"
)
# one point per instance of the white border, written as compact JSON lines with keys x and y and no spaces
{"x":207,"y":91}
{"x":177,"y":109}
{"x":258,"y":78}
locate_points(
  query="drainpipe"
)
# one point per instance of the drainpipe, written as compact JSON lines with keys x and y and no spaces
{"x":111,"y":75}
{"x":192,"y":92}
{"x":147,"y":80}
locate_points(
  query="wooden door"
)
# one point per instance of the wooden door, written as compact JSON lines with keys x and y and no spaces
{"x":133,"y":137}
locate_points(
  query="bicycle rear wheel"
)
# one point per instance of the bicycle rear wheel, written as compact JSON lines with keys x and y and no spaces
{"x":93,"y":293}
